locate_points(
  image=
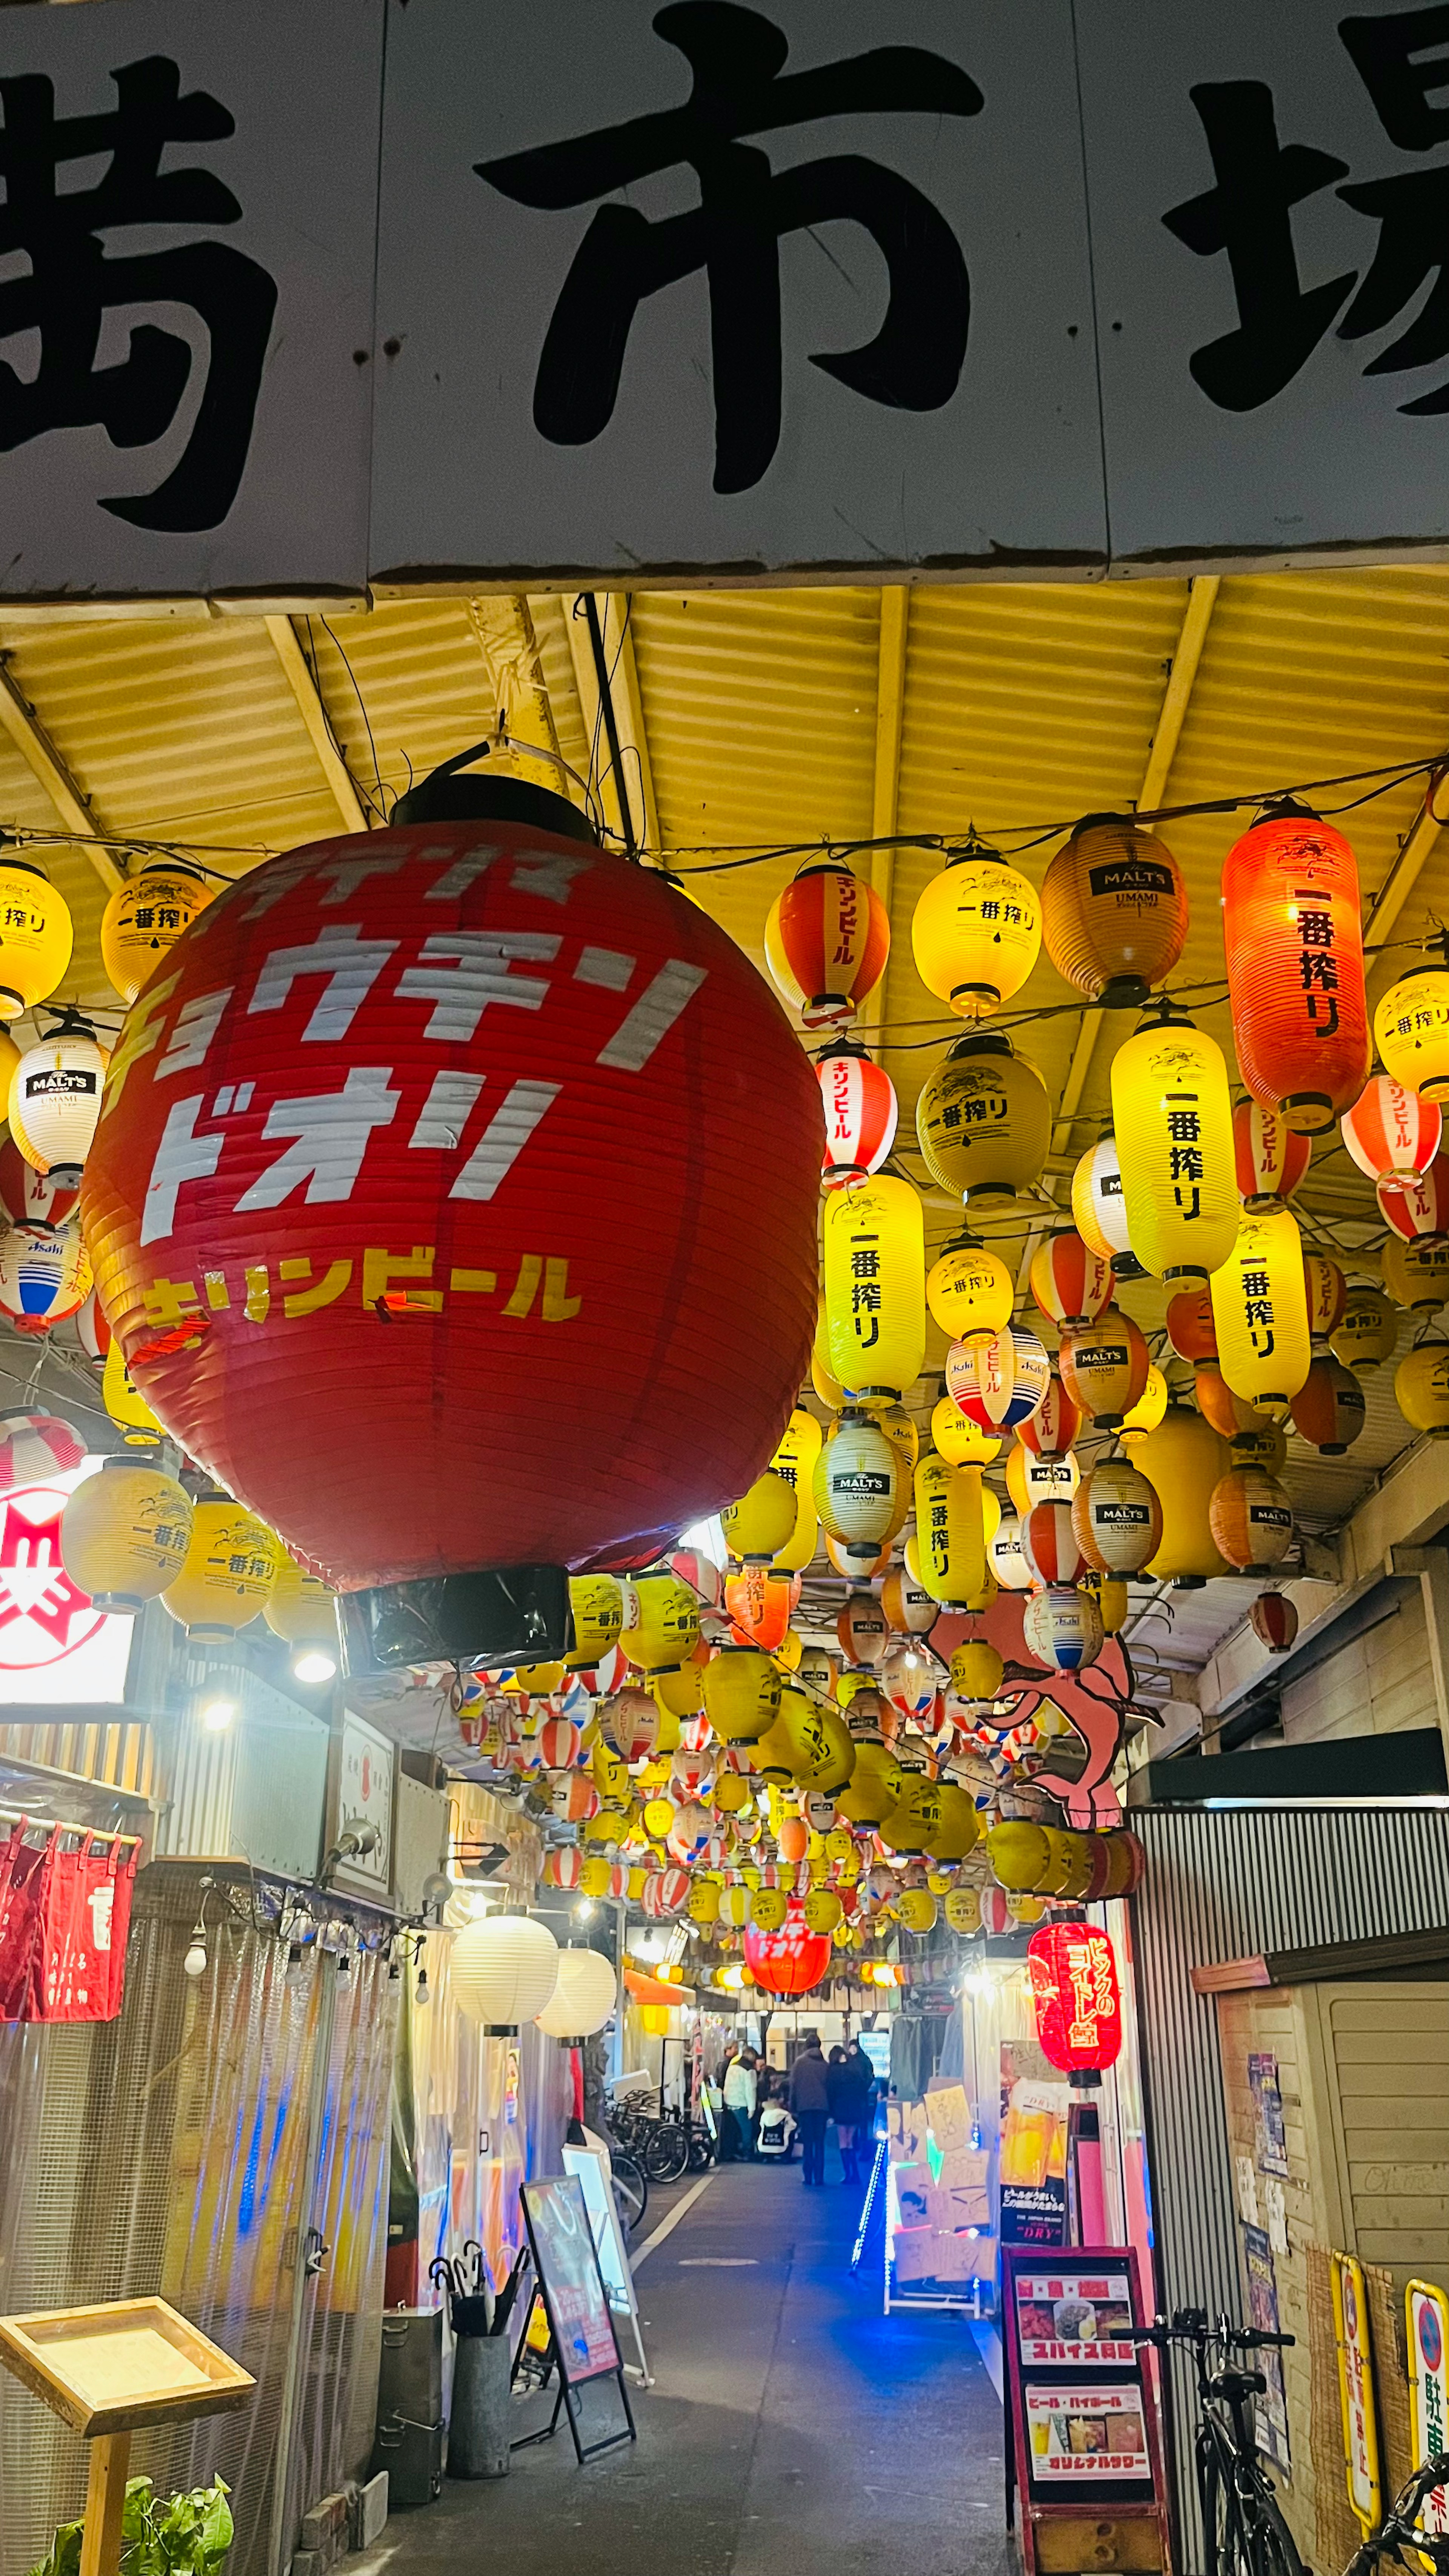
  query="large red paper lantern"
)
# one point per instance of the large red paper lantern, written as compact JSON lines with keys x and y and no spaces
{"x":791,"y":1960}
{"x":1295,"y":969}
{"x":859,"y":1100}
{"x":1076,"y":1997}
{"x":431,"y":1212}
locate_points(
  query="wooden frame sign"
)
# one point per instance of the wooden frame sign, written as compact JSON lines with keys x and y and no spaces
{"x":1084,"y":2451}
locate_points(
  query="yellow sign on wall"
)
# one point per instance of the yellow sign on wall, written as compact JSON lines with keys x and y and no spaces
{"x":1427,"y":2313}
{"x":1356,"y":2387}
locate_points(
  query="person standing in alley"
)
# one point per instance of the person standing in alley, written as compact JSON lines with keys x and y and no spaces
{"x":848,"y":2079}
{"x":739,"y":2107}
{"x":810,"y":2102}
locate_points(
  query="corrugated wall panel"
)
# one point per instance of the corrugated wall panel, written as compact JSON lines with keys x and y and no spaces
{"x":1226,"y":1884}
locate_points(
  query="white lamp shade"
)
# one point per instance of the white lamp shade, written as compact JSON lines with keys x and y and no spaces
{"x":504,"y":1970}
{"x":583,"y":1999}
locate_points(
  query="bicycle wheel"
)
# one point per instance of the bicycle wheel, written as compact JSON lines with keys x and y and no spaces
{"x":631,"y":2191}
{"x":1224,"y":2540}
{"x":666,"y":2156}
{"x":1277,"y":2551}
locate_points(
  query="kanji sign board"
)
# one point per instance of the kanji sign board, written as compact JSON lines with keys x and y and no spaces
{"x":711,"y":290}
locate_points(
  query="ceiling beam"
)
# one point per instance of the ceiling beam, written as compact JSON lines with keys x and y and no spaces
{"x":19,"y":719}
{"x":1402,"y":878}
{"x":297,"y":672}
{"x":1192,"y":635}
{"x":611,"y":609}
{"x":890,"y":708}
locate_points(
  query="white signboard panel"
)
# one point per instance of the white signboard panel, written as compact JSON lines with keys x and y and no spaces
{"x":1270,"y":206}
{"x":798,"y":288}
{"x":186,"y":269}
{"x":56,"y":1649}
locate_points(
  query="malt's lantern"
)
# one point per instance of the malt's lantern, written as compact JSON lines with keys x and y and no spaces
{"x":960,"y":1441}
{"x":1294,"y":949}
{"x":1367,"y":1330}
{"x":1099,"y":1209}
{"x":1328,"y":1409}
{"x":984,"y":1121}
{"x":1418,"y":1207}
{"x":124,"y":1534}
{"x":1416,"y":1274}
{"x":1104,"y":1367}
{"x":1270,"y":1160}
{"x":35,"y":936}
{"x":1260,"y":1306}
{"x":1421,"y":1388}
{"x":970,"y":1292}
{"x":1114,"y":911}
{"x":908,"y":1607}
{"x":859,"y":1100}
{"x":1391,"y":1133}
{"x":875,"y":1287}
{"x":1274,"y":1621}
{"x":1117,"y":1518}
{"x":1031,"y":1480}
{"x":1190,"y":1326}
{"x":1076,"y":1997}
{"x":357,"y":1133}
{"x":1411,"y":1026}
{"x":1063,"y":1629}
{"x":1070,"y":1283}
{"x":976,"y":933}
{"x":1184,"y":1460}
{"x":145,"y":917}
{"x":856,"y":1484}
{"x":998,"y":1384}
{"x":1006,"y":1557}
{"x":1172,"y":1113}
{"x":54,"y":1099}
{"x":1251,"y":1519}
{"x":827,"y":939}
{"x":1055,"y":1424}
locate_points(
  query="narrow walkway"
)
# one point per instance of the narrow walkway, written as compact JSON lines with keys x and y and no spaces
{"x":793,"y":2430}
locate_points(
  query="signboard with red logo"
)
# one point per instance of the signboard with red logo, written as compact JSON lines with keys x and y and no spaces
{"x":1356,"y":2387}
{"x":56,"y":1648}
{"x":1085,"y":2431}
{"x":1427,"y":2311}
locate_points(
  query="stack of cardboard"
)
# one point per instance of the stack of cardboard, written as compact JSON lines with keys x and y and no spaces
{"x":942,"y":2191}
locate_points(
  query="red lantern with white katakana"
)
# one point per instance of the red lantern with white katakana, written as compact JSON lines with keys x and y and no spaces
{"x":1050,"y":1431}
{"x":1391,"y":1133}
{"x":1294,"y":948}
{"x":790,"y":1961}
{"x":1419,"y":1208}
{"x":859,"y":1100}
{"x":1269,"y":1161}
{"x":1070,"y":1283}
{"x":1076,"y":1997}
{"x":345,"y":1203}
{"x":827,"y":939}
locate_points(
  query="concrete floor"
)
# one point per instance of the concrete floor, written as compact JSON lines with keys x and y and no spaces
{"x":792,"y":2430}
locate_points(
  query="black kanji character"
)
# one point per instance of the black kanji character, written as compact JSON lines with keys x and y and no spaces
{"x":1315,"y":929}
{"x":71,"y":286}
{"x":1387,"y":57}
{"x":913,"y":363}
{"x":1412,"y":211}
{"x":1249,"y":215}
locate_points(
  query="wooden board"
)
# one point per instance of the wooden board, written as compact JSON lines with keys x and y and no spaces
{"x":126,"y":2362}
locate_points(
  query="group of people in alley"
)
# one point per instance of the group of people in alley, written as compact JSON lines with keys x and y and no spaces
{"x":762,"y":2113}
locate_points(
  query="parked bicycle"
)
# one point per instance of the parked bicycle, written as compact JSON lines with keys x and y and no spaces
{"x":1400,"y":2532}
{"x":1246,"y":2534}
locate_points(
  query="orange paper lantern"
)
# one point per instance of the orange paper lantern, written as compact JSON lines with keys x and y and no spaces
{"x":1294,"y":948}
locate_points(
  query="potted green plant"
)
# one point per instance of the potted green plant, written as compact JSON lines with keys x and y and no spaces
{"x":177,"y":2535}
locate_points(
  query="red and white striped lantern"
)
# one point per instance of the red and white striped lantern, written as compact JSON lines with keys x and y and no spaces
{"x":563,"y":1867}
{"x":998,"y":1384}
{"x":630,"y":1722}
{"x":34,"y":1447}
{"x":91,"y":1329}
{"x":1051,"y":1430}
{"x":1391,"y":1133}
{"x":827,"y":939}
{"x":573,"y":1797}
{"x":1418,"y":1208}
{"x":665,"y":1890}
{"x":1070,"y":1283}
{"x":1050,"y":1544}
{"x":1274,"y":1621}
{"x":1269,"y":1159}
{"x":560,"y":1745}
{"x":860,"y":1116}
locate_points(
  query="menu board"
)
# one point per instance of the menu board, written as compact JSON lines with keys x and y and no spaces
{"x":1074,"y":2316}
{"x":1082,"y":2434}
{"x":573,"y":2286}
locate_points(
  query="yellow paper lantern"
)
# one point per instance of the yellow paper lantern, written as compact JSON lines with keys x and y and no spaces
{"x":1260,"y":1311}
{"x":839,"y":1846}
{"x":875,"y":1287}
{"x":741,"y":1694}
{"x":228,"y":1573}
{"x":950,"y":1549}
{"x":1149,"y":1408}
{"x":916,"y":1910}
{"x":762,"y":1522}
{"x":970,"y":1293}
{"x":827,"y":1386}
{"x":611,"y":1777}
{"x":833,"y":1764}
{"x":1411,"y":1028}
{"x":984,"y":1121}
{"x":905,"y":1439}
{"x":1421,"y":1389}
{"x":1069,"y":1866}
{"x":677,"y":1692}
{"x":794,"y":1742}
{"x":125,"y":1403}
{"x":124,"y":1533}
{"x":302,"y":1611}
{"x":658,"y":1818}
{"x":1114,"y":911}
{"x":1113,"y":1603}
{"x":961,"y":1442}
{"x":1184,"y":1459}
{"x":914,"y":1818}
{"x":661,"y":1621}
{"x":1416,"y":1274}
{"x":145,"y":917}
{"x":35,"y":936}
{"x":976,"y":933}
{"x":1173,"y":1116}
{"x":957,"y":1828}
{"x":594,"y":1876}
{"x":703,"y":1904}
{"x":822,"y":1910}
{"x":597,"y":1605}
{"x":795,"y":1461}
{"x":1365,"y":1334}
{"x":1020,"y":1856}
{"x":857,"y":1487}
{"x":963,"y":1909}
{"x":768,"y":1909}
{"x":875,"y":1785}
{"x":976,"y":1670}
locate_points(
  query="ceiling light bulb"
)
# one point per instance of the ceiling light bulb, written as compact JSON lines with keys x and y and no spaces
{"x":194,"y":1962}
{"x":314,"y":1665}
{"x":422,"y":1992}
{"x":217,"y":1715}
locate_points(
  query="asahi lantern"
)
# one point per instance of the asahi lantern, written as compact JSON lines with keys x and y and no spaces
{"x":452,"y":1120}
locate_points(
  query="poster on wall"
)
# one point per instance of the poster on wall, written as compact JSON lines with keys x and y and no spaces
{"x":1083,"y":2436}
{"x":1269,"y":2138}
{"x":1427,"y":2313}
{"x":1033,"y":2171}
{"x":1271,"y":2410}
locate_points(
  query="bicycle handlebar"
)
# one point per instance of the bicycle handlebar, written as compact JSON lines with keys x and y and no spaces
{"x":1399,"y":2523}
{"x":1191,"y":2326}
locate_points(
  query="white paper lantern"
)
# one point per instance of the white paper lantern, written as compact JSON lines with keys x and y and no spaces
{"x":504,"y":1971}
{"x":55,"y":1101}
{"x":586,"y":1994}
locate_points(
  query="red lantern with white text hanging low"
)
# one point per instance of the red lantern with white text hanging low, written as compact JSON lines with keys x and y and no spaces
{"x":1070,"y":1283}
{"x":859,"y":1099}
{"x":437,"y":1038}
{"x":759,"y":1603}
{"x":1329,"y":1407}
{"x":1418,"y":1210}
{"x":1000,"y":1383}
{"x":1076,"y":1997}
{"x":1269,"y":1160}
{"x":789,"y":1959}
{"x":1051,"y":1430}
{"x":827,"y":939}
{"x":1391,"y":1133}
{"x":1294,"y":946}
